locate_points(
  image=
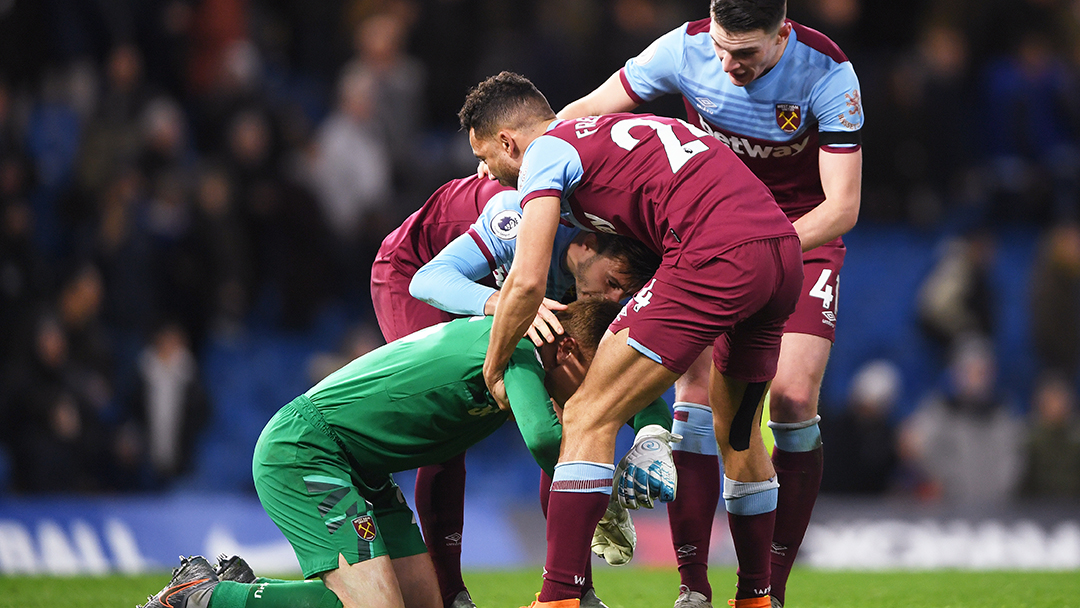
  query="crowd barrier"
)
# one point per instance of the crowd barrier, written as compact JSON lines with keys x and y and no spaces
{"x":98,"y":535}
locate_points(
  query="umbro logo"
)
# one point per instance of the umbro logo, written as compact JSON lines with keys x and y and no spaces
{"x":686,"y":551}
{"x":779,"y":549}
{"x":705,"y":103}
{"x":453,"y":540}
{"x":830,"y":318}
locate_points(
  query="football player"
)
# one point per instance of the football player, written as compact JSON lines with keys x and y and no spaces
{"x":472,"y":226}
{"x":323,"y":464}
{"x":786,"y":100}
{"x":730,"y":276}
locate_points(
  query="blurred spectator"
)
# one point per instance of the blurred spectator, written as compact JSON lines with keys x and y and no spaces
{"x":57,"y":440}
{"x":966,"y":440}
{"x":399,"y":81}
{"x":862,"y":438}
{"x":283,"y":219}
{"x":1032,"y":97}
{"x":957,"y":299}
{"x":1052,"y":447}
{"x":215,"y":25}
{"x":237,"y":88}
{"x":350,"y":173}
{"x":164,"y":146}
{"x":122,"y":249}
{"x":224,"y":248}
{"x":920,"y":163}
{"x":1055,"y":300}
{"x":351,"y":170}
{"x":24,"y":274}
{"x":114,"y":136}
{"x":169,"y":404}
{"x":79,"y":308}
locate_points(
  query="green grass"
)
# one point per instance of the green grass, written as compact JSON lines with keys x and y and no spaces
{"x":644,"y":588}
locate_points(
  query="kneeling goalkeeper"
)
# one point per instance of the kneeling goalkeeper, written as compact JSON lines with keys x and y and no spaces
{"x":323,"y":464}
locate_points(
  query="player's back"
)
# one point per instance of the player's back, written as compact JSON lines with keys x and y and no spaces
{"x":415,"y":401}
{"x":667,"y":184}
{"x":447,"y":214}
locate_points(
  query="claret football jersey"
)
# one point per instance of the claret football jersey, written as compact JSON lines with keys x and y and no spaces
{"x":659,"y":180}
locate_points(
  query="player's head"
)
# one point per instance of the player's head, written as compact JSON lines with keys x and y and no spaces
{"x":610,"y":266}
{"x":568,"y":358}
{"x":501,"y":114}
{"x":748,"y":36}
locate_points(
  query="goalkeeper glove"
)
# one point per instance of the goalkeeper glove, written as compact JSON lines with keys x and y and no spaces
{"x":647,"y":472}
{"x":615,"y":538}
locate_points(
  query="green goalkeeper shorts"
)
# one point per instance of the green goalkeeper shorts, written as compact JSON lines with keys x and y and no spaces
{"x":323,"y":505}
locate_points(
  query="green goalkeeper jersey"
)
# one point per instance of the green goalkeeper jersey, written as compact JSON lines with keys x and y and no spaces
{"x":422,"y":399}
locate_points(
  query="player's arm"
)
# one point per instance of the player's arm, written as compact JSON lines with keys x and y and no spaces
{"x":533,"y":411}
{"x":841,"y":180}
{"x":657,"y":413}
{"x":448,"y":280}
{"x":523,"y":291}
{"x":836,"y":101}
{"x":608,"y":98}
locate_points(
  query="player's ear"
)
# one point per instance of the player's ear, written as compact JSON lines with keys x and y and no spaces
{"x":589,"y":241}
{"x":506,"y":142}
{"x":567,"y":347}
{"x":785,"y":29}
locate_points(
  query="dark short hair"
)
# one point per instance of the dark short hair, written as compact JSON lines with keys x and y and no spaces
{"x":504,"y":100}
{"x":740,"y":16}
{"x":586,"y":320}
{"x":638,"y":261}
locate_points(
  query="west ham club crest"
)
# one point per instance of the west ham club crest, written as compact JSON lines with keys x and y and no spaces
{"x":365,"y":527}
{"x":788,"y":117}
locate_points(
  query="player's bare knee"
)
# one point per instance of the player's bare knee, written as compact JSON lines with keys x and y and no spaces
{"x":792,"y":403}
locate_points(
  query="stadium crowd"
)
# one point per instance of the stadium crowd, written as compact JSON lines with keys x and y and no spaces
{"x":179,"y":172}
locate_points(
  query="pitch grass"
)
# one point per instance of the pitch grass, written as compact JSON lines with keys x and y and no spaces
{"x":645,"y":588}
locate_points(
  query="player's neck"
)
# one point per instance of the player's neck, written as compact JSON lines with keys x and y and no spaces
{"x":528,"y":134}
{"x":780,"y":49}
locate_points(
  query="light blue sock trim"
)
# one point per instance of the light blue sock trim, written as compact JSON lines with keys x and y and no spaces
{"x":750,"y":498}
{"x":638,"y":346}
{"x":696,"y":430}
{"x":582,"y":477}
{"x":800,"y":439}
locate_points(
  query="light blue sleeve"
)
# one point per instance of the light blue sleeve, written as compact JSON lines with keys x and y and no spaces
{"x":836,"y":100}
{"x":448,"y":281}
{"x":656,"y":70}
{"x":497,"y":228}
{"x":549,"y":164}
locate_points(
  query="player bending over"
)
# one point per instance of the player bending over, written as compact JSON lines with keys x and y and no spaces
{"x":729,"y":277}
{"x":323,"y":464}
{"x":472,"y":226}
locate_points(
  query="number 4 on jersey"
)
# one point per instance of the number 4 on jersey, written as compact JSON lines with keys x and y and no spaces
{"x":823,"y":290}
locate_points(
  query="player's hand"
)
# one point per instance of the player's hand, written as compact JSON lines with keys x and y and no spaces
{"x":615,"y":537}
{"x":546,"y":325}
{"x":483,"y":172}
{"x":647,"y":473}
{"x":497,"y":388}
